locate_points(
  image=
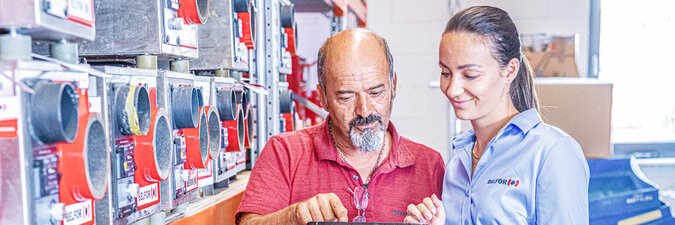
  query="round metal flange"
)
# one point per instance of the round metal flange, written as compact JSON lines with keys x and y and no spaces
{"x":162,"y":144}
{"x":215,"y":136}
{"x":96,"y":156}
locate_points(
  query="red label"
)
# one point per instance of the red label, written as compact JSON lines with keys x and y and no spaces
{"x":148,"y":196}
{"x":81,"y":11}
{"x":8,"y":128}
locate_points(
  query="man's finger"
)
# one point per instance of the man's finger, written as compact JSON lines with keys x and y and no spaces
{"x":314,"y":210}
{"x":430,"y":205}
{"x":339,"y":209}
{"x":325,"y":208}
{"x":302,"y":213}
{"x":414,"y":212}
{"x":425,"y":211}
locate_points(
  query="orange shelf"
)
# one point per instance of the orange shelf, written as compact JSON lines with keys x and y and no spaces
{"x":217,"y":209}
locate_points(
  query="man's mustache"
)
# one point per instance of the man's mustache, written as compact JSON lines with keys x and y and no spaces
{"x":359,"y":120}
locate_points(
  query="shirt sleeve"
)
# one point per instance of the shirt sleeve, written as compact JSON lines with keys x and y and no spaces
{"x":562,"y":185}
{"x":438,"y":176}
{"x":268,"y":188}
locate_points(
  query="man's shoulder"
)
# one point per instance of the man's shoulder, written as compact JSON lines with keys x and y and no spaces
{"x":420,"y":151}
{"x":300,"y":137}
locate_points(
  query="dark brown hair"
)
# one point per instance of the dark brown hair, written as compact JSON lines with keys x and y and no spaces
{"x":503,"y":40}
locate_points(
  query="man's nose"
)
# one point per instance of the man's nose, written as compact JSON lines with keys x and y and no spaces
{"x":364,"y":106}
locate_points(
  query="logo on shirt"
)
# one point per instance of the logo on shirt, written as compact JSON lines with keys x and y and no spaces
{"x":507,"y":182}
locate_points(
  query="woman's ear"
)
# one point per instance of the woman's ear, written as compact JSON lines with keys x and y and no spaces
{"x":511,"y":70}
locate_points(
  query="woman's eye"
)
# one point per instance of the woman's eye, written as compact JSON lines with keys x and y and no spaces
{"x":445,"y":74}
{"x":471,"y":77}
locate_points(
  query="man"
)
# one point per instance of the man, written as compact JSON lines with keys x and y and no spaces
{"x":352,"y":167}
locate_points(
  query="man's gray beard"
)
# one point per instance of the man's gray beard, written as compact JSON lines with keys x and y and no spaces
{"x":368,"y":141}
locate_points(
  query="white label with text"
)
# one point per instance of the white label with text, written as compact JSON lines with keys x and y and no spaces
{"x":79,"y":213}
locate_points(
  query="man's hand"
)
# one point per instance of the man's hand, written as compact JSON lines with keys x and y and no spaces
{"x":430,"y":211}
{"x":321,"y":207}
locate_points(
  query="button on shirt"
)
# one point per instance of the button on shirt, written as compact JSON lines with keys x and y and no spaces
{"x":298,"y":165}
{"x":529,"y":173}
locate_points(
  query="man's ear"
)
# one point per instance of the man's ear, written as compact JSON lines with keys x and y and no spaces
{"x":393,"y":89}
{"x":322,"y":97}
{"x":511,"y":70}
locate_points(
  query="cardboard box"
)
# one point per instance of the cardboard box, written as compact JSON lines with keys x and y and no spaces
{"x":551,"y":56}
{"x":580,"y":107}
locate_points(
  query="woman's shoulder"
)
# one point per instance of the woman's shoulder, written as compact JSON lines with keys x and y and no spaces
{"x":550,"y":137}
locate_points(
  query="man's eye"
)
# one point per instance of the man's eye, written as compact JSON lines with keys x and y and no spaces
{"x":471,"y":77}
{"x":445,"y":74}
{"x":344,"y":99}
{"x":375,"y":93}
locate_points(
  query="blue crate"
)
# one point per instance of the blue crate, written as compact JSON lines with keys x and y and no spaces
{"x":618,"y":187}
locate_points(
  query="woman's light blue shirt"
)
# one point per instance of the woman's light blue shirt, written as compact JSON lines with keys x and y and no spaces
{"x":529,"y":173}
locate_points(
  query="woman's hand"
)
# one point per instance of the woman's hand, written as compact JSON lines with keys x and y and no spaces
{"x":430,"y":211}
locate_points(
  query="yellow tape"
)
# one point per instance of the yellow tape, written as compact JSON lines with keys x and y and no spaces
{"x":132,"y":116}
{"x":642,"y":218}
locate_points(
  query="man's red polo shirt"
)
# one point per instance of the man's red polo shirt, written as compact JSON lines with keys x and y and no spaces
{"x":298,"y":165}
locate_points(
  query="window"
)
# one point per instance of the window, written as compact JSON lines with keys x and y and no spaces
{"x":637,"y":54}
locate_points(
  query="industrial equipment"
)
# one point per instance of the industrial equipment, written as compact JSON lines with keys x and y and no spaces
{"x":165,"y":28}
{"x":177,"y":94}
{"x":141,"y":146}
{"x":225,"y":41}
{"x":54,"y":146}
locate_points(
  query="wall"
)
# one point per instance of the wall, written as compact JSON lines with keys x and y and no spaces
{"x":413,"y":30}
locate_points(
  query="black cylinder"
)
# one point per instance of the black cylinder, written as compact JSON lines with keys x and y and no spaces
{"x":287,"y":15}
{"x":184,"y":107}
{"x":285,"y":101}
{"x":226,"y":104}
{"x":54,"y":112}
{"x":241,"y":6}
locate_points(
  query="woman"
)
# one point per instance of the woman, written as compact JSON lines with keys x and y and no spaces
{"x":511,"y":168}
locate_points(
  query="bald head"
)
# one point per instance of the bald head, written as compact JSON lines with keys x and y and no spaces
{"x":351,"y":46}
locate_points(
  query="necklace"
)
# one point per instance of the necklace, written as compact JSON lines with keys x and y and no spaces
{"x":473,"y":151}
{"x":379,"y":156}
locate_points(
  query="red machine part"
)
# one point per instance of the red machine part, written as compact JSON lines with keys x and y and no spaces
{"x":194,"y":11}
{"x":288,"y":121}
{"x":197,"y":144}
{"x":234,"y":133}
{"x":290,"y":32}
{"x":148,"y":170}
{"x":84,"y":163}
{"x":247,"y":37}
